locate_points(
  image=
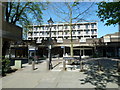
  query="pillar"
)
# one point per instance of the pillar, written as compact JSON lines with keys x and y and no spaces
{"x":64,"y":65}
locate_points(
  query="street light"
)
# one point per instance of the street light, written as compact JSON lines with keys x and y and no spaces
{"x":50,"y":22}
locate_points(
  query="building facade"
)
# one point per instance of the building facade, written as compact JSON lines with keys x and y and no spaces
{"x":60,"y":32}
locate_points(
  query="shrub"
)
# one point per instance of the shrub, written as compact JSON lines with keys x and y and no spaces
{"x":5,"y":66}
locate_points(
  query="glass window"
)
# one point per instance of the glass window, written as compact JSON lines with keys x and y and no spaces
{"x":87,"y":31}
{"x":92,"y":31}
{"x":57,"y":27}
{"x":43,"y":28}
{"x":87,"y":25}
{"x":54,"y":33}
{"x":42,"y":33}
{"x":73,"y":32}
{"x":78,"y":26}
{"x":78,"y":32}
{"x":66,"y":27}
{"x":66,"y":33}
{"x":35,"y":34}
{"x":73,"y":26}
{"x":92,"y":25}
{"x":66,"y":37}
{"x":47,"y":33}
{"x":46,"y":28}
{"x":54,"y":27}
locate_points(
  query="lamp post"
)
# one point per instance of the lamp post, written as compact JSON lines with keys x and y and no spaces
{"x":50,"y":22}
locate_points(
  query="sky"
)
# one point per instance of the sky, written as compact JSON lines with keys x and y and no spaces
{"x":90,"y":16}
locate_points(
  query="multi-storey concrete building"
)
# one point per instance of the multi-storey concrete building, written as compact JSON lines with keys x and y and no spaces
{"x":60,"y":32}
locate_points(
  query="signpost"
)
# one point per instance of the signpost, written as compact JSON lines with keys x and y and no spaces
{"x":32,"y":54}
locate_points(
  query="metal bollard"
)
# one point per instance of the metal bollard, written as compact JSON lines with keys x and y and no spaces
{"x":47,"y":64}
{"x":81,"y":66}
{"x":118,"y":63}
{"x":64,"y":65}
{"x":33,"y":65}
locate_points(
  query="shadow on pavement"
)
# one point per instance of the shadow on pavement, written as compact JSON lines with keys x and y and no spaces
{"x":100,"y":79}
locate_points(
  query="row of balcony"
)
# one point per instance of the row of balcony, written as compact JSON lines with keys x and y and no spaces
{"x":55,"y":27}
{"x":65,"y":37}
{"x":62,"y":29}
{"x":39,"y":40}
{"x":74,"y":34}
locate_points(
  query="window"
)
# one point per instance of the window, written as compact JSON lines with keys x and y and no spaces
{"x":78,"y":32}
{"x":73,"y":32}
{"x":55,"y":27}
{"x":87,"y":25}
{"x":35,"y":28}
{"x":92,"y":31}
{"x":87,"y":31}
{"x":78,"y":26}
{"x":35,"y":34}
{"x":43,"y":28}
{"x":54,"y":33}
{"x":30,"y":34}
{"x":73,"y":26}
{"x":47,"y":33}
{"x":92,"y":25}
{"x":66,"y":27}
{"x":66,"y":37}
{"x":42,"y":33}
{"x":65,"y":32}
{"x":46,"y":28}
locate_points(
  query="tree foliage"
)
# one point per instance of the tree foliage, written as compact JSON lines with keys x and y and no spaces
{"x":109,"y":12}
{"x":24,"y":13}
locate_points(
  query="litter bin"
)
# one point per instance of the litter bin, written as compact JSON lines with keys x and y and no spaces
{"x":18,"y":64}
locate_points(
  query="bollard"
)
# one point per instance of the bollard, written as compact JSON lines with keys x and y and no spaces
{"x":47,"y":64}
{"x":64,"y":65}
{"x":81,"y":66}
{"x":33,"y":65}
{"x":118,"y":63}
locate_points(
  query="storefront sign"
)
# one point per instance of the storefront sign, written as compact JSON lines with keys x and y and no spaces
{"x":106,"y":38}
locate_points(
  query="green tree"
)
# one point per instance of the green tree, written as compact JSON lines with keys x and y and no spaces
{"x":109,"y":12}
{"x":24,"y":13}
